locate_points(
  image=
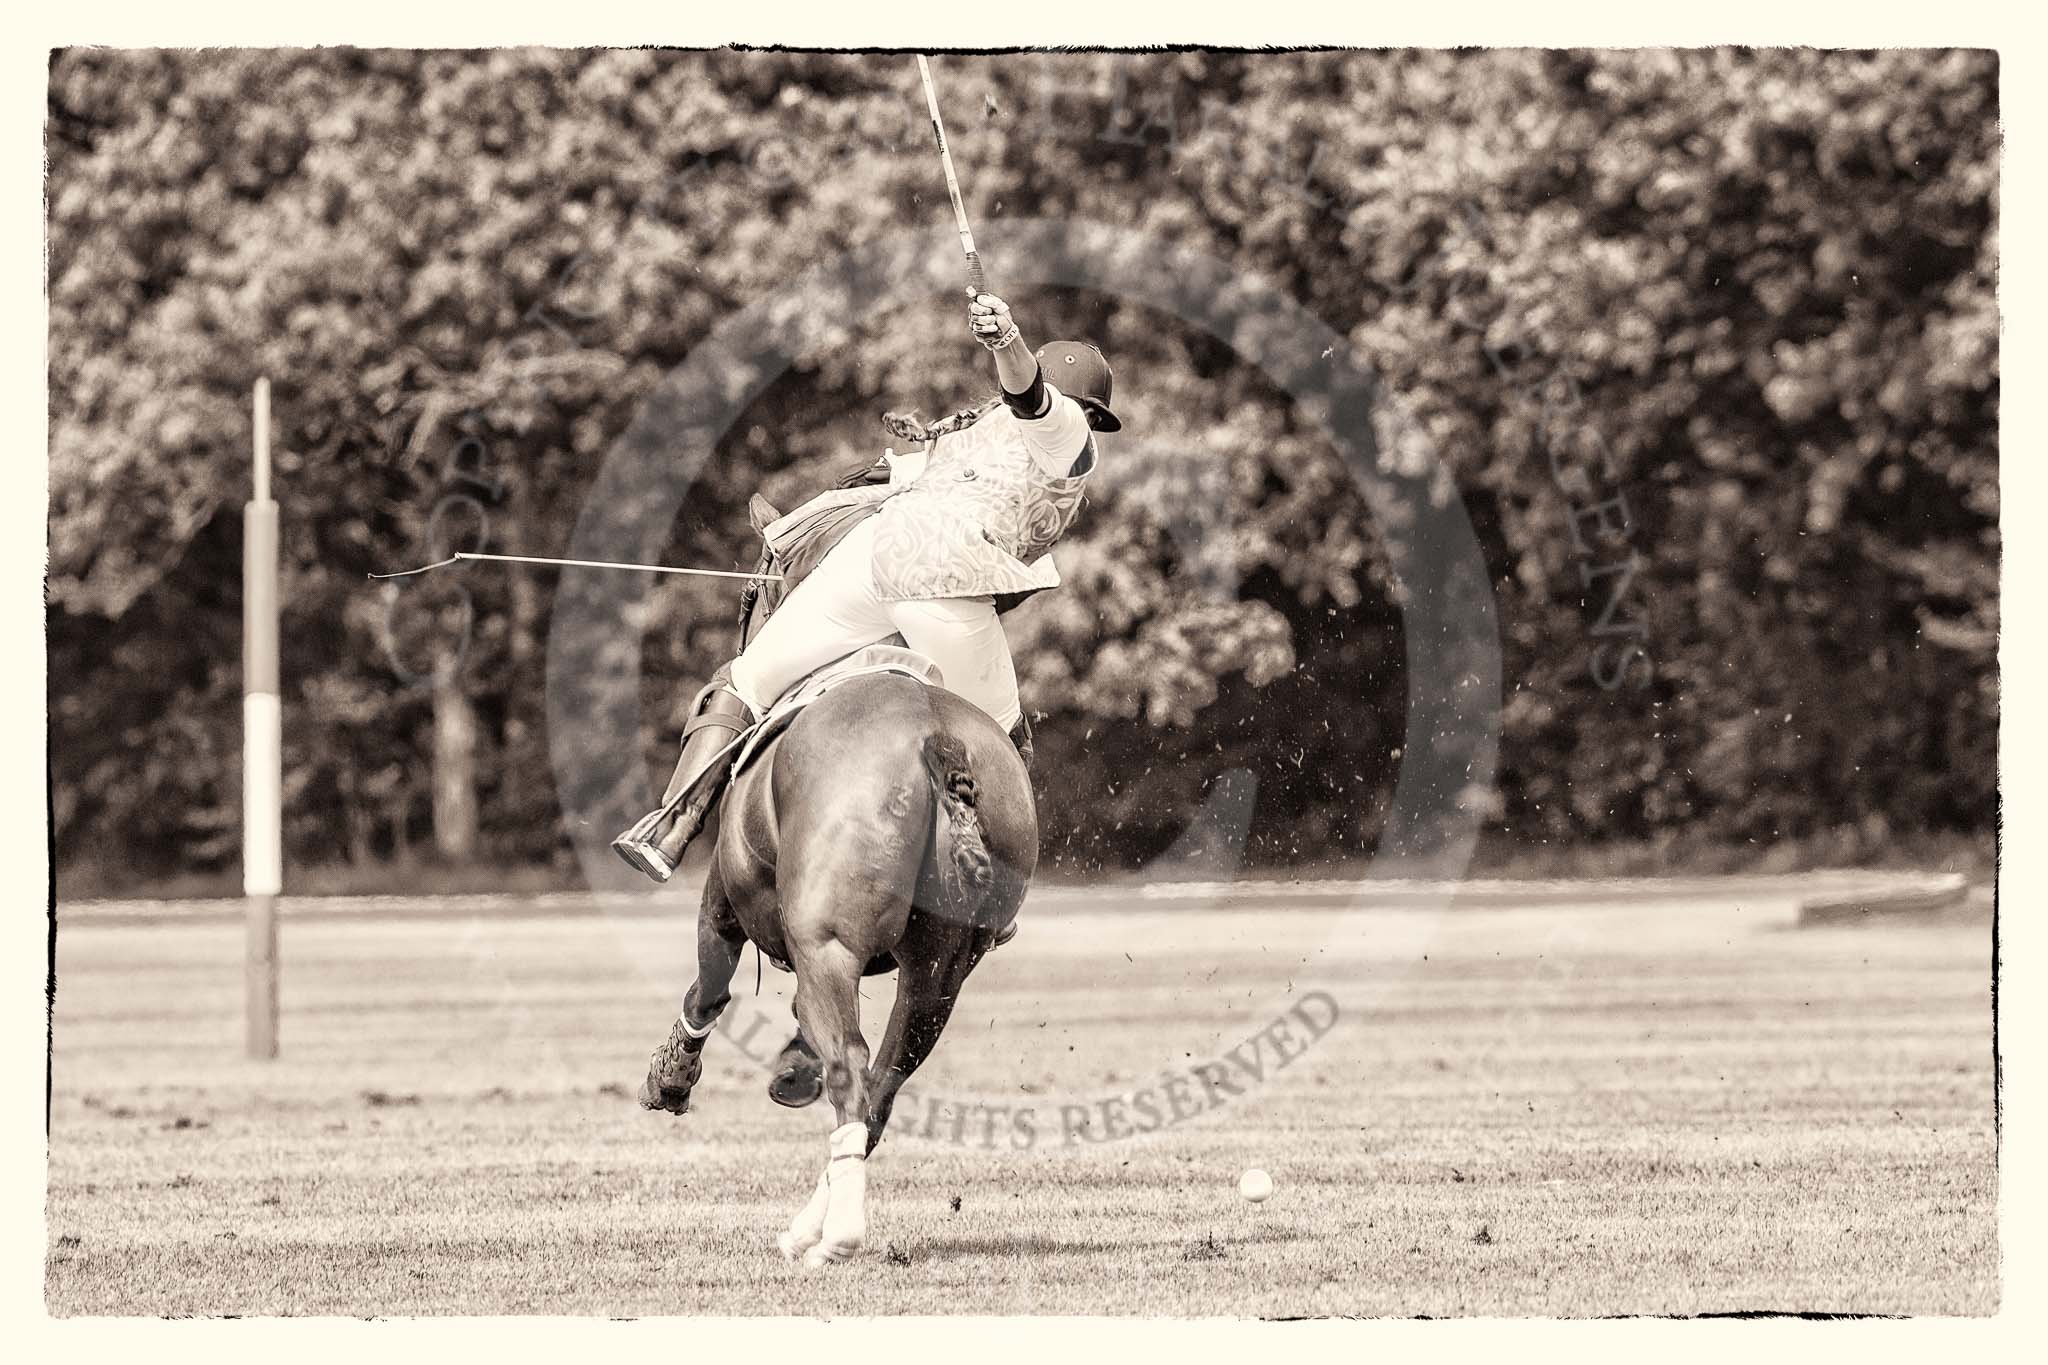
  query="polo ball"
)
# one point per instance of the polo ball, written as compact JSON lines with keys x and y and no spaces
{"x":1256,"y":1186}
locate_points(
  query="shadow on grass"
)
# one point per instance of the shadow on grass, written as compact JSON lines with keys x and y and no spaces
{"x":1038,"y":1244}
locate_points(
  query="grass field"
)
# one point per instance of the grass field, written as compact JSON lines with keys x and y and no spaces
{"x":1654,"y":1103}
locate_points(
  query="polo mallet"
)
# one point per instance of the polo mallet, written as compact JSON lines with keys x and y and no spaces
{"x":975,"y":280}
{"x":465,"y":556}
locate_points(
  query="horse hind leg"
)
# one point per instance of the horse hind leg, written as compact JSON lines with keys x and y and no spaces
{"x":833,"y":1225}
{"x":807,"y":1229}
{"x":926,"y":989}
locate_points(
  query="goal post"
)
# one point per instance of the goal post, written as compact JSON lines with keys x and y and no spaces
{"x":262,"y":746}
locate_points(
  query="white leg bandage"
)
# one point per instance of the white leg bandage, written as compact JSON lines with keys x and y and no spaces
{"x":846,"y":1217}
{"x":809,"y":1224}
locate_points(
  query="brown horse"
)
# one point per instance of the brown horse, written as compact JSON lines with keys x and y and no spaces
{"x":891,"y":826}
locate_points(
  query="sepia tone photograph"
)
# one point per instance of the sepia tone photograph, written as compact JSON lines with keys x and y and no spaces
{"x":1184,"y":682}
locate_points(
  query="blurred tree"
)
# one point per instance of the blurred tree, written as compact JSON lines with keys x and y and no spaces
{"x":1706,"y":339}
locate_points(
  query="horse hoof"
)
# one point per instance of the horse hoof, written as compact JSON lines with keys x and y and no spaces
{"x":830,"y":1253}
{"x":654,"y":1097}
{"x":797,"y":1087}
{"x":793,"y":1247}
{"x":801,"y":1077}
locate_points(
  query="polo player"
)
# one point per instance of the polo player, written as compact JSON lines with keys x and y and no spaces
{"x":965,"y":520}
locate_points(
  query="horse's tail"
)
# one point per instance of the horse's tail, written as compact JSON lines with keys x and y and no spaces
{"x":966,"y":871}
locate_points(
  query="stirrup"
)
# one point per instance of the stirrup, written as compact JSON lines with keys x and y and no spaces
{"x":641,"y":853}
{"x":640,"y":845}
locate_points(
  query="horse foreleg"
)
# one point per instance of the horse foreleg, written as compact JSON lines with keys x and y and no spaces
{"x":828,"y":1007}
{"x":677,"y":1063}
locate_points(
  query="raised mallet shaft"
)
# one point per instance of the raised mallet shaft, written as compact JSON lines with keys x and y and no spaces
{"x":975,"y":280}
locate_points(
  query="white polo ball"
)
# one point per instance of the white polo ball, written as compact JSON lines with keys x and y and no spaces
{"x":1255,"y":1185}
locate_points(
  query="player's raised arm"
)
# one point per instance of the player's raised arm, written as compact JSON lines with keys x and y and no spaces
{"x":1056,"y":411}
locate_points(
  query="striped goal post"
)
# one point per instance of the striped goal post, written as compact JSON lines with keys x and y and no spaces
{"x":262,"y":741}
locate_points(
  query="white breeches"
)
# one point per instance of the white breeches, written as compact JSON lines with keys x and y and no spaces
{"x":836,"y":611}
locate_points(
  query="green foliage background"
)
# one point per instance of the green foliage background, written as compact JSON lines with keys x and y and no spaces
{"x":1750,"y":294}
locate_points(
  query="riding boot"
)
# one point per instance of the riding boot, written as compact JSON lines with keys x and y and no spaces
{"x":654,"y":844}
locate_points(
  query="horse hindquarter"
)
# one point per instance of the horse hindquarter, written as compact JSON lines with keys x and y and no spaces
{"x":898,"y":820}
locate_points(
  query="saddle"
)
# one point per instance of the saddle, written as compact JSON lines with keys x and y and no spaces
{"x":882,"y":658}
